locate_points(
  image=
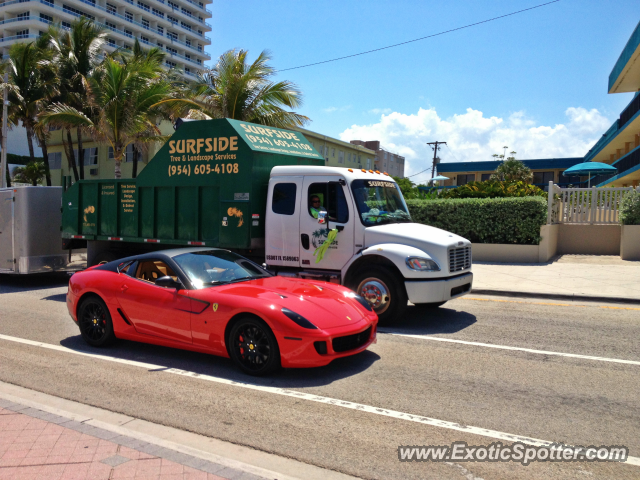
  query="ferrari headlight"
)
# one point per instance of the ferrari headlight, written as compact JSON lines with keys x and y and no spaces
{"x":422,"y":264}
{"x":359,"y":299}
{"x":299,"y":319}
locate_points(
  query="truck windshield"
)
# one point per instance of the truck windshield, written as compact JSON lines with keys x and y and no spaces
{"x":218,"y":267}
{"x":379,"y":202}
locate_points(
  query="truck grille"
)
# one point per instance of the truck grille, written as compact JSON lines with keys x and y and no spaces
{"x":459,"y":259}
{"x":351,"y":342}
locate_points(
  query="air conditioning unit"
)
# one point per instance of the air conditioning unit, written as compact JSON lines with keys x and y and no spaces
{"x":93,"y":171}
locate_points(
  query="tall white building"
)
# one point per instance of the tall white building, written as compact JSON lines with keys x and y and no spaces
{"x":177,"y":26}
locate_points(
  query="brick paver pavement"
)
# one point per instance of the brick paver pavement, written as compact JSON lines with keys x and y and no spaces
{"x":37,"y":445}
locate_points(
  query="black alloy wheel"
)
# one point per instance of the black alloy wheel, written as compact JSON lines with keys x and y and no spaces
{"x":253,"y":347}
{"x":95,"y":322}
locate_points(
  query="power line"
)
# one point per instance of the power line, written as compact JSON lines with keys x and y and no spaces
{"x":421,"y":38}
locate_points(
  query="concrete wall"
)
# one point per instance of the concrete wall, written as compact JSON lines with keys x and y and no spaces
{"x":565,"y":239}
{"x":588,"y":239}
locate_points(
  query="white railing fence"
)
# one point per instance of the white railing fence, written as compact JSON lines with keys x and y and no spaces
{"x":584,"y":205}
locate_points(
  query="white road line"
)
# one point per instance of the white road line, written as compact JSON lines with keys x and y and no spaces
{"x":519,"y":349}
{"x":508,"y":437}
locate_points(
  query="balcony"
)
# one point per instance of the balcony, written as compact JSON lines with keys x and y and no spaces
{"x":626,"y":84}
{"x":625,"y":165}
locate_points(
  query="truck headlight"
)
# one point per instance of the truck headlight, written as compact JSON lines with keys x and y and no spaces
{"x":422,"y":264}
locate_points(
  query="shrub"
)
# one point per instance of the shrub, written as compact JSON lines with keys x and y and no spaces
{"x":485,"y":220}
{"x":630,"y":209}
{"x":494,"y":189}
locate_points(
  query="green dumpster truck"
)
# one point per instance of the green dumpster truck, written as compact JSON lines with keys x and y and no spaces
{"x":266,"y":193}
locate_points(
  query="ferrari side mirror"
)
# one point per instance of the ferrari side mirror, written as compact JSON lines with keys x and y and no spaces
{"x":167,"y":281}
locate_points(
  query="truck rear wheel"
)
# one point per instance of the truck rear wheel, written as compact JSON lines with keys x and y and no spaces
{"x":384,"y":292}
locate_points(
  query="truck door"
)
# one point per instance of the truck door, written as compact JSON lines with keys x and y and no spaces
{"x":6,"y":231}
{"x":282,"y":243}
{"x":330,"y":194}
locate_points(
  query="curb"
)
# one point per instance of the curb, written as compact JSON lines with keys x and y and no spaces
{"x":572,"y":297}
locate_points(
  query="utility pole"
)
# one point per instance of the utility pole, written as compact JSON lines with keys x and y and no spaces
{"x":435,"y":146}
{"x":3,"y":154}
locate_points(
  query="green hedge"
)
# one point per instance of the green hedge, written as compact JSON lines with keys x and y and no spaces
{"x":630,"y":209}
{"x":485,"y":220}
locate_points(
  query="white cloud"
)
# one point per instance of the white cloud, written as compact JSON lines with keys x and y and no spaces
{"x":336,"y":109}
{"x":473,"y":137}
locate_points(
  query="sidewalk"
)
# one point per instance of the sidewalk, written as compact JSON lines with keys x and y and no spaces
{"x":579,"y":276}
{"x":39,"y":445}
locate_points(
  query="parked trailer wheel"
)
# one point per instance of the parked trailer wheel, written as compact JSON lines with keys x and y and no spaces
{"x":383,"y":290}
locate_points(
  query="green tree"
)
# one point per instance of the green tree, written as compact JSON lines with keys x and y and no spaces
{"x":511,"y":169}
{"x":79,"y":52}
{"x":31,"y":173}
{"x":126,"y":98}
{"x":236,"y":89}
{"x":29,"y":86}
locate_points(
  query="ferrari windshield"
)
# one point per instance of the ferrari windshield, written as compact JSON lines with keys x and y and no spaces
{"x":379,"y":202}
{"x":217,"y":267}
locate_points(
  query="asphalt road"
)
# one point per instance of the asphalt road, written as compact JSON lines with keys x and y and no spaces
{"x":539,"y":394}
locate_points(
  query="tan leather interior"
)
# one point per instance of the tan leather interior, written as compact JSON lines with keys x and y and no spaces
{"x":151,"y":270}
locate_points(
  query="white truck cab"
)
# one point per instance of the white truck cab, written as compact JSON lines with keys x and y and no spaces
{"x":378,"y":251}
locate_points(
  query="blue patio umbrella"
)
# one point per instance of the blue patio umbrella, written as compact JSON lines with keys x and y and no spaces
{"x":438,"y":178}
{"x":589,"y":168}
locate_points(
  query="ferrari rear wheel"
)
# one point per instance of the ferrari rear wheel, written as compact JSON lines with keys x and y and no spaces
{"x":253,"y":347}
{"x":95,"y":322}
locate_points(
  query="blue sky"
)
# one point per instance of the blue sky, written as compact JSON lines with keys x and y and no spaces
{"x":536,"y":81}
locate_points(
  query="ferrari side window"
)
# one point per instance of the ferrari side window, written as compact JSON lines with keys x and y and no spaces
{"x":151,"y":270}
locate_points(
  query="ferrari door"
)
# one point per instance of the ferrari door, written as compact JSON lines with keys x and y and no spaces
{"x":153,"y":310}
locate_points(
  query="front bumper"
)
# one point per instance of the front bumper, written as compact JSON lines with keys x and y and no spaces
{"x":300,"y":352}
{"x":440,"y":290}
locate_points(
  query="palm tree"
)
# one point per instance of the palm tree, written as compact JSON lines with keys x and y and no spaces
{"x":78,"y":53}
{"x":31,"y":173}
{"x":29,"y":87}
{"x":235,"y":89}
{"x":126,"y":98}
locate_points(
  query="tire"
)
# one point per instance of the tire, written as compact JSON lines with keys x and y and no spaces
{"x":383,"y":290}
{"x":430,"y":305}
{"x":95,"y":322}
{"x":253,"y":347}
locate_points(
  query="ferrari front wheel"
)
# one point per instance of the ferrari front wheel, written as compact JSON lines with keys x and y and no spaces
{"x":95,"y":322}
{"x":253,"y":347}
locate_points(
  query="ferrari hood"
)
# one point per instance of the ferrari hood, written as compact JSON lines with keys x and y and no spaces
{"x":323,"y":304}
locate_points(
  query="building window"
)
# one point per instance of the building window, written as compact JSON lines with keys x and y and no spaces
{"x":76,"y":12}
{"x":174,"y":5}
{"x":485,"y":176}
{"x":22,"y":33}
{"x":172,"y":50}
{"x":66,"y":25}
{"x":170,"y":64}
{"x":126,"y":46}
{"x":46,"y":18}
{"x":199,"y":61}
{"x":185,"y":25}
{"x":157,"y":12}
{"x":186,"y":12}
{"x":145,"y":23}
{"x":110,"y":25}
{"x":187,"y":70}
{"x":144,"y":6}
{"x":188,"y":42}
{"x":111,"y":42}
{"x":340,"y":157}
{"x":368,"y":164}
{"x":187,"y":56}
{"x":144,"y":39}
{"x":199,"y":47}
{"x":23,"y":16}
{"x":172,"y":19}
{"x":128,"y":153}
{"x":112,"y":9}
{"x":172,"y":35}
{"x":128,"y":16}
{"x":129,"y":34}
{"x":160,"y":45}
{"x":464,"y":179}
{"x":543,"y":177}
{"x":55,"y":160}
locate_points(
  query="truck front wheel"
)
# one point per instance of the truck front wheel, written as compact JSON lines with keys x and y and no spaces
{"x":384,"y":292}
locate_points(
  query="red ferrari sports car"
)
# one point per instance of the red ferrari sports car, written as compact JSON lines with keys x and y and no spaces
{"x":215,"y":301}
